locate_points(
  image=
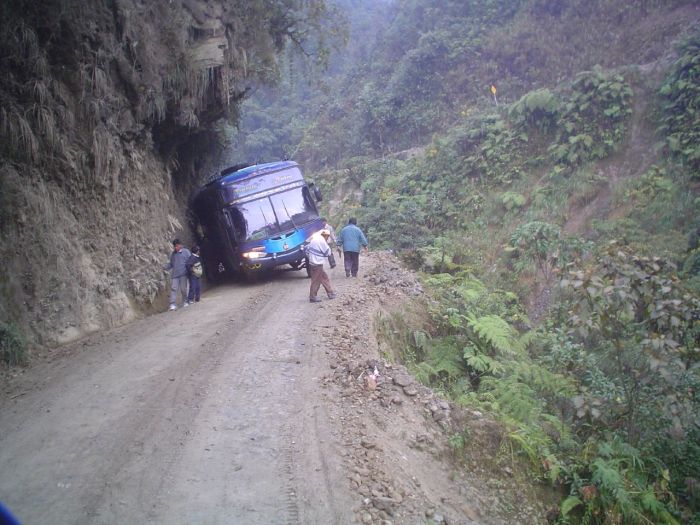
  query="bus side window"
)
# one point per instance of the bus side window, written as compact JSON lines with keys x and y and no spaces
{"x":236,"y":217}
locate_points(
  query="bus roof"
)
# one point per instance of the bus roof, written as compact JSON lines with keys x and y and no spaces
{"x":254,"y":171}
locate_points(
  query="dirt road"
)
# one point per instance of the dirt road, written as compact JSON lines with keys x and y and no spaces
{"x":250,"y":408}
{"x":204,"y":415}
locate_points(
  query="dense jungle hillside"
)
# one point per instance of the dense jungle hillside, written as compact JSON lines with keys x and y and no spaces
{"x":538,"y":161}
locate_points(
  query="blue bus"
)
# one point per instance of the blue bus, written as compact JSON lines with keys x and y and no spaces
{"x":255,"y":218}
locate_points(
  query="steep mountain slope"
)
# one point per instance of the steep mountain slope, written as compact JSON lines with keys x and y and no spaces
{"x":436,"y":61}
{"x":556,"y":220}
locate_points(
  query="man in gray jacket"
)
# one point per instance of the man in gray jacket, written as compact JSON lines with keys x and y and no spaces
{"x":178,"y":273}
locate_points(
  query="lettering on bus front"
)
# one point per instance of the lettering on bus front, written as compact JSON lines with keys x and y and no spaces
{"x":237,"y":190}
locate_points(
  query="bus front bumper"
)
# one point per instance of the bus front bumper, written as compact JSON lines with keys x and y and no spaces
{"x":270,"y":261}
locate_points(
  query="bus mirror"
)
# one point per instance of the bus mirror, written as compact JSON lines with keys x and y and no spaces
{"x":317,"y":192}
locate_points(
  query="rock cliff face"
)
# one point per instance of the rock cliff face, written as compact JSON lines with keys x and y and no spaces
{"x":106,"y":123}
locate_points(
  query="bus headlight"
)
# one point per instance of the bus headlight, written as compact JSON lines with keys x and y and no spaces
{"x":254,"y":255}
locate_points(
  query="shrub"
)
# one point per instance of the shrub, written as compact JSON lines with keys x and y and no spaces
{"x":681,"y":102}
{"x":592,"y":120}
{"x":538,"y":108}
{"x":13,"y":347}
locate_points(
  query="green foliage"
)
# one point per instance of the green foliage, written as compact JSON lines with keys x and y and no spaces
{"x":537,"y":108}
{"x":681,"y":105}
{"x":459,"y":441}
{"x":569,"y":504}
{"x":654,"y":184}
{"x":443,"y":361}
{"x":592,"y":119}
{"x":13,"y":347}
{"x":611,"y":483}
{"x":633,"y":315}
{"x":512,"y":200}
{"x":633,"y":296}
{"x":537,"y":242}
{"x":496,"y":332}
{"x":481,"y":363}
{"x":493,"y":150}
{"x":614,"y":418}
{"x":691,"y":265}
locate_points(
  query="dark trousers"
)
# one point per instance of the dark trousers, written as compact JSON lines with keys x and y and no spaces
{"x":352,"y":263}
{"x":319,"y":277}
{"x":195,"y":289}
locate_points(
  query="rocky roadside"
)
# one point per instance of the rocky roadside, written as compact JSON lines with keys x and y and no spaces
{"x":396,"y":432}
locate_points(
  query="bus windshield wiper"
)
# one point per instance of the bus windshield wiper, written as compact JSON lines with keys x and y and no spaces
{"x":290,"y":217}
{"x":264,"y":217}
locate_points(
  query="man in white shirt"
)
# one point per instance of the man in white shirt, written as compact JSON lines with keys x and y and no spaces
{"x":318,"y":251}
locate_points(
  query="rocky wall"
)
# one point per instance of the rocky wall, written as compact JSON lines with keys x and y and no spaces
{"x":101,"y":103}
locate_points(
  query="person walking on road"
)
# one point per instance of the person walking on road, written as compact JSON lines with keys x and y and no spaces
{"x":178,"y":273}
{"x":351,"y":239}
{"x":317,"y":251}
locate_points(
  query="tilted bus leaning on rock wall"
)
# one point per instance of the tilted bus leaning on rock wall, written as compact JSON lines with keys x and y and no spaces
{"x":106,"y":120}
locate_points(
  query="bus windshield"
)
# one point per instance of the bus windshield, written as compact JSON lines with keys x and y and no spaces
{"x":293,"y":207}
{"x":270,"y":216}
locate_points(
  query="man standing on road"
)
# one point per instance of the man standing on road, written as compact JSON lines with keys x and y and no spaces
{"x":333,"y":242}
{"x":178,"y":273}
{"x":318,"y":250}
{"x":352,"y":240}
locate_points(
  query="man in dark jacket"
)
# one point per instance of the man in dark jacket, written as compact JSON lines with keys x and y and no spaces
{"x":351,"y":239}
{"x":178,"y":273}
{"x":194,"y":269}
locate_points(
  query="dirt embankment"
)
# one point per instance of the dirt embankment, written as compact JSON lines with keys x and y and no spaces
{"x":398,"y":452}
{"x":251,"y":407}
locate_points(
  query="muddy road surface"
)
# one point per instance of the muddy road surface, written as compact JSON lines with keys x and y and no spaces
{"x":208,"y":414}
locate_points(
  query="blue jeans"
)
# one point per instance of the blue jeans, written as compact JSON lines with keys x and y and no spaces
{"x":195,"y":289}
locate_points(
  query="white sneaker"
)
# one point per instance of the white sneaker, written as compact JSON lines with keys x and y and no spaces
{"x":185,"y":305}
{"x":172,"y":307}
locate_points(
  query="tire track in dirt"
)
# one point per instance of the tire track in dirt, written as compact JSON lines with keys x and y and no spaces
{"x":289,"y":471}
{"x":195,"y":416}
{"x":84,"y":445}
{"x":165,"y":424}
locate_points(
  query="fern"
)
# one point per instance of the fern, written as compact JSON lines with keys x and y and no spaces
{"x":497,"y":332}
{"x":444,"y":359}
{"x":544,"y":381}
{"x":611,"y":483}
{"x":420,"y":339}
{"x":528,"y":338}
{"x":569,"y":504}
{"x":470,"y":289}
{"x":514,"y":399}
{"x":481,"y":363}
{"x":536,"y":445}
{"x":424,"y":373}
{"x":565,"y":437}
{"x":622,"y":486}
{"x":526,"y":446}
